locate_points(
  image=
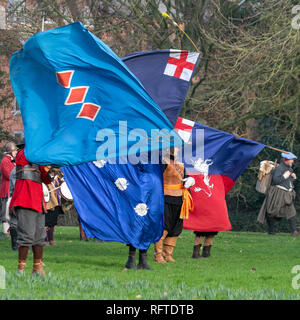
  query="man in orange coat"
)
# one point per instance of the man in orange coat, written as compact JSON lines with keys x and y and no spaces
{"x":29,"y":206}
{"x":6,"y":166}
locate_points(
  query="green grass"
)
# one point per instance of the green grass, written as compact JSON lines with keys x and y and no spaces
{"x":243,"y":265}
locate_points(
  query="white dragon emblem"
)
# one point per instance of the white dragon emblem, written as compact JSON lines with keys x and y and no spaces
{"x":203,"y":168}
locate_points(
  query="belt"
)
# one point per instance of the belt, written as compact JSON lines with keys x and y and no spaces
{"x":283,"y":188}
{"x":29,"y":172}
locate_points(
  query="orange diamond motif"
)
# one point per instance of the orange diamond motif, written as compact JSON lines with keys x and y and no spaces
{"x":89,"y":111}
{"x":64,"y":78}
{"x":76,"y":95}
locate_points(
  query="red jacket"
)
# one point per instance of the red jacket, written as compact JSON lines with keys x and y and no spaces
{"x":6,"y":166}
{"x":29,"y":194}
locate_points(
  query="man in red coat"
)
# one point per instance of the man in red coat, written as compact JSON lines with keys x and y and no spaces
{"x":6,"y":166}
{"x":29,"y":206}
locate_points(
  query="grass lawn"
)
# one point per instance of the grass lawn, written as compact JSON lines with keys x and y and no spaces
{"x":243,"y":265}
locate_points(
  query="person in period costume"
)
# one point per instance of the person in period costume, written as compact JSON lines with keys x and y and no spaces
{"x":210,"y":216}
{"x":6,"y":166}
{"x":54,"y":209}
{"x":177,"y":204}
{"x":279,"y":201}
{"x":28,"y":205}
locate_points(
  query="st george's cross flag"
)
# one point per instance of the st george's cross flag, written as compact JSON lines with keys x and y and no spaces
{"x":166,"y":75}
{"x":125,"y":202}
{"x":79,"y":102}
{"x":221,"y":158}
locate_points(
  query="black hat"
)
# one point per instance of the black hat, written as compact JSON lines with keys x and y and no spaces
{"x":21,"y":143}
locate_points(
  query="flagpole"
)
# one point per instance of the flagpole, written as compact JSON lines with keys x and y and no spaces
{"x":279,"y":150}
{"x":176,"y":24}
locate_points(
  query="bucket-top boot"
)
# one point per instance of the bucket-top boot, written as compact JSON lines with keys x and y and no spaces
{"x":169,"y":245}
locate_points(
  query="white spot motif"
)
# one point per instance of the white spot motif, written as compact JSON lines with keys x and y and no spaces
{"x":203,"y":168}
{"x":99,"y":163}
{"x":121,"y":184}
{"x":141,"y":209}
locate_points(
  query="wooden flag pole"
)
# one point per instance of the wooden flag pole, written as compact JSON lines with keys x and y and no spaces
{"x":279,"y":150}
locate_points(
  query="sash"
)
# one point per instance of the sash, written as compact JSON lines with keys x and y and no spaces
{"x":187,"y":204}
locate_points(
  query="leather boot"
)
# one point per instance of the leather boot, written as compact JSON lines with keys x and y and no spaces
{"x":82,"y":234}
{"x":158,"y":249}
{"x":169,"y":245}
{"x":130,"y":264}
{"x":158,"y":252}
{"x":196,"y":252}
{"x":143,"y":261}
{"x":23,"y":252}
{"x":168,"y":253}
{"x":206,"y":252}
{"x":51,"y":237}
{"x":14,"y":236}
{"x":38,"y":261}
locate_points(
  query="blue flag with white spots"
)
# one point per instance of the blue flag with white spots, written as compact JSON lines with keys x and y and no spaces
{"x":123,"y":203}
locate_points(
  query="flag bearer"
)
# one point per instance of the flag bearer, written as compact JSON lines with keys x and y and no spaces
{"x":178,"y":203}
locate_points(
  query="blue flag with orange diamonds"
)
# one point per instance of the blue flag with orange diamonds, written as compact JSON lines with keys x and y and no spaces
{"x":79,"y":101}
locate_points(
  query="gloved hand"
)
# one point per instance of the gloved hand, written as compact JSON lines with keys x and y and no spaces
{"x":188,"y":182}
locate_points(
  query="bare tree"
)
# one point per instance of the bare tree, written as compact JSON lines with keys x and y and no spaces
{"x":247,"y":81}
